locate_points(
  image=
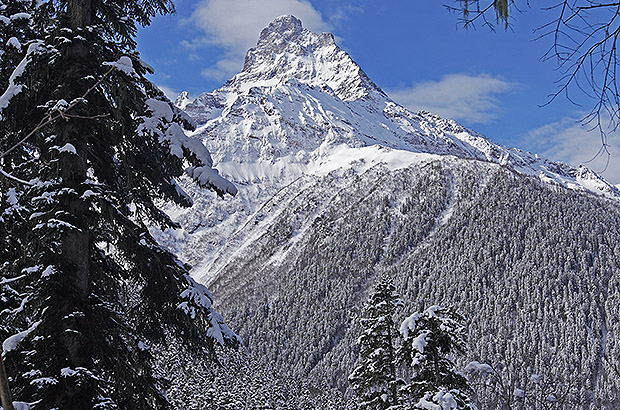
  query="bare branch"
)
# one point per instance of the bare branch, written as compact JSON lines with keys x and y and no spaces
{"x":58,"y":113}
{"x":584,"y":40}
{"x":11,"y":177}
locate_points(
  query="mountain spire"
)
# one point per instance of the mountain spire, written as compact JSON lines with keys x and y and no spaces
{"x":287,"y":51}
{"x":298,"y":91}
{"x":286,"y":27}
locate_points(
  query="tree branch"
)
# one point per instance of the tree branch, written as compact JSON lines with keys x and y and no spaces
{"x":11,"y":177}
{"x":48,"y":119}
{"x":59,"y":113}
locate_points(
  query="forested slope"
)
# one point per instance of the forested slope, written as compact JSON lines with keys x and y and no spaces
{"x":532,"y":266}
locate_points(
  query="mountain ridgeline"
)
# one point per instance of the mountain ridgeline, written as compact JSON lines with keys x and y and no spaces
{"x":339,"y":185}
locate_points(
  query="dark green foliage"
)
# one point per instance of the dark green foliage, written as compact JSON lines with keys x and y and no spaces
{"x":80,"y":272}
{"x":374,"y":379}
{"x":421,"y":373}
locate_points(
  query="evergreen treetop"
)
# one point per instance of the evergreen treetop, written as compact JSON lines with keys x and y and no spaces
{"x":374,"y":380}
{"x":430,"y":340}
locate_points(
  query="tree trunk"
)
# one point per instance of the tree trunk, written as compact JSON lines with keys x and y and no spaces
{"x":5,"y":393}
{"x":390,"y":346}
{"x":75,"y":242}
{"x":75,"y":256}
{"x":80,"y":13}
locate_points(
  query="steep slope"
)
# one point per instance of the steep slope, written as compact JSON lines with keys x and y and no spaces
{"x":534,"y":269}
{"x":338,"y":184}
{"x":297,"y":107}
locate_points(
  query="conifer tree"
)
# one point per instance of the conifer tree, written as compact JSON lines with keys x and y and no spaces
{"x":374,"y":380}
{"x":429,"y":341}
{"x":87,"y":147}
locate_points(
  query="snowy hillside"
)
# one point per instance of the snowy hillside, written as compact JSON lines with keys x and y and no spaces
{"x":301,"y":107}
{"x":533,"y":268}
{"x":337,"y":183}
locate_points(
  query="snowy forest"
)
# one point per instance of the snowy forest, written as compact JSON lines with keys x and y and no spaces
{"x":424,"y":267}
{"x":532,"y":268}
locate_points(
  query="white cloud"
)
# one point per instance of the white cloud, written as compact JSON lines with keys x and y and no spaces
{"x":222,"y":70}
{"x":456,"y":96}
{"x":569,"y":141}
{"x":172,"y":94}
{"x":234,"y":25}
{"x":340,"y":16}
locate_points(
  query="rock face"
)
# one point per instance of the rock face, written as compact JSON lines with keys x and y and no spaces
{"x":338,"y":184}
{"x":286,"y":51}
{"x":182,"y":100}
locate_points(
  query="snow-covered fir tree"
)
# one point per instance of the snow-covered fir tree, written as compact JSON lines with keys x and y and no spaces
{"x":374,"y":379}
{"x":498,"y":384}
{"x":429,"y":341}
{"x":87,"y":147}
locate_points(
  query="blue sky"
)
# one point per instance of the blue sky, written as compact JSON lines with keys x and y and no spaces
{"x":492,"y":82}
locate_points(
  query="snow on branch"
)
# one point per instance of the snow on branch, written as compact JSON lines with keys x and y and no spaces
{"x":159,"y":123}
{"x":197,"y":297}
{"x":18,"y":180}
{"x":12,"y":341}
{"x":14,"y":89}
{"x":210,"y":177}
{"x":123,"y":64}
{"x":478,"y":368}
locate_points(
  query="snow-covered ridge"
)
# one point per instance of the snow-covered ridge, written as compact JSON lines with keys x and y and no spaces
{"x":299,"y":95}
{"x":287,"y":124}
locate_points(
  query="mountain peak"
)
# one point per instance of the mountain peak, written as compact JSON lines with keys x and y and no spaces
{"x":299,"y":93}
{"x":286,"y":27}
{"x":286,"y":50}
{"x":182,"y":100}
{"x":288,"y":30}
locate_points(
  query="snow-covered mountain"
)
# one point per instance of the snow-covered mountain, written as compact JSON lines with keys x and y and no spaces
{"x":299,"y":95}
{"x":300,"y":107}
{"x":338,"y":184}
